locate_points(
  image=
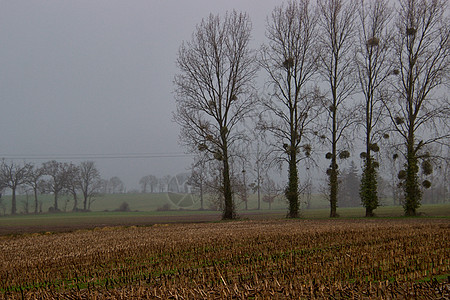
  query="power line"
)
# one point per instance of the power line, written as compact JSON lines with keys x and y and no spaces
{"x":93,"y":156}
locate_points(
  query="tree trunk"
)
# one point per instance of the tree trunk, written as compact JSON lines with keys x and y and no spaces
{"x":412,"y":191}
{"x":13,"y":201}
{"x":55,"y":205}
{"x":259,"y":195}
{"x":201,"y":197}
{"x":333,"y":192}
{"x":292,"y":188}
{"x":333,"y":181}
{"x":334,"y":167}
{"x":75,"y":202}
{"x":228,"y":212}
{"x":36,"y":204}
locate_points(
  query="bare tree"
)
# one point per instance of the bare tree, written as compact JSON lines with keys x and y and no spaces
{"x":36,"y":183}
{"x":214,"y":90}
{"x":72,"y":185}
{"x":261,"y":164}
{"x":419,"y":108}
{"x":290,"y":60}
{"x":57,"y":182}
{"x":337,"y":68}
{"x":90,"y":182}
{"x":148,"y":181}
{"x":144,"y":182}
{"x":198,"y":178}
{"x":116,"y":184}
{"x":373,"y":66}
{"x":241,"y":185}
{"x":13,"y":175}
{"x":271,"y":190}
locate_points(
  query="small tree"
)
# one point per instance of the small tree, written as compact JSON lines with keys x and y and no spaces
{"x":271,"y":190}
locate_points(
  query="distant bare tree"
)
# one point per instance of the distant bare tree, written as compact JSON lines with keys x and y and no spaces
{"x":337,"y":68}
{"x":13,"y":175}
{"x":214,"y":90}
{"x":90,"y":182}
{"x":148,"y":181}
{"x":58,"y":177}
{"x":163,"y":183}
{"x":261,"y":164}
{"x":144,"y":182}
{"x":116,"y":184}
{"x":419,"y":108}
{"x":104,"y":186}
{"x":290,"y":60}
{"x":373,"y":66}
{"x":241,"y":185}
{"x":35,"y":181}
{"x":271,"y":190}
{"x":72,"y":185}
{"x":198,"y":178}
{"x":153,"y":183}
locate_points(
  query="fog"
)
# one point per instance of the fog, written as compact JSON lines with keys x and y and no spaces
{"x":92,"y":80}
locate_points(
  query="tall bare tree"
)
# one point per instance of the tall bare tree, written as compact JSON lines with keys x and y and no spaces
{"x":90,"y":181}
{"x":419,"y":108}
{"x":336,"y":38}
{"x":290,"y":60}
{"x":13,"y":175}
{"x":373,"y":66}
{"x":214,"y":90}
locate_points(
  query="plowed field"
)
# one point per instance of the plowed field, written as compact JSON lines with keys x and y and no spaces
{"x":273,"y":259}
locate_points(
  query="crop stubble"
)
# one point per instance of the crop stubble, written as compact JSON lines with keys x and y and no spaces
{"x":263,"y":259}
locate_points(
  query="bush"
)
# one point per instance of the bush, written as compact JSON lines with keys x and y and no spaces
{"x":165,"y":207}
{"x":123,"y":207}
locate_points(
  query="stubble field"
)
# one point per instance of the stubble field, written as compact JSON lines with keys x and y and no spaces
{"x":272,"y":259}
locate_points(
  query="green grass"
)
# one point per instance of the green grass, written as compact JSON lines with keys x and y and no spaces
{"x":74,"y":221}
{"x":148,"y":204}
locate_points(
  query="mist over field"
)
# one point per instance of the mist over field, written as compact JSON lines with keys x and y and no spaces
{"x":245,"y":149}
{"x":83,"y":80}
{"x":94,"y":81}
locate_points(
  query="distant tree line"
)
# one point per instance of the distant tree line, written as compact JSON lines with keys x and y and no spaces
{"x":154,"y":184}
{"x":337,"y":73}
{"x":82,"y":182}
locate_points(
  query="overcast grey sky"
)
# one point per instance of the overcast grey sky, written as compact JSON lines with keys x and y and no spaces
{"x":88,"y":78}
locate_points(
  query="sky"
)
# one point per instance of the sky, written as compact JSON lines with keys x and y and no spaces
{"x":92,"y":80}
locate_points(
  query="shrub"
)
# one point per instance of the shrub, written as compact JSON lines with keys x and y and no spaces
{"x":123,"y":207}
{"x":165,"y":207}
